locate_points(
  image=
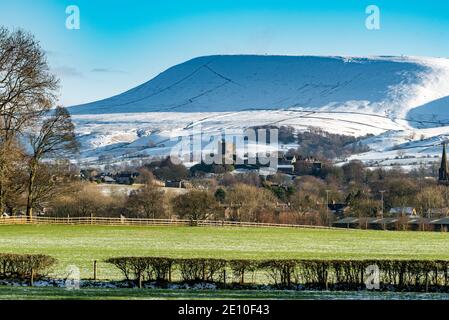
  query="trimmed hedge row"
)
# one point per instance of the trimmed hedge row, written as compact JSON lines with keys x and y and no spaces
{"x":145,"y":268}
{"x":406,"y":274}
{"x":22,"y":266}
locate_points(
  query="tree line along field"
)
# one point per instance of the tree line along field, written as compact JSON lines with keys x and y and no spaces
{"x":81,"y":245}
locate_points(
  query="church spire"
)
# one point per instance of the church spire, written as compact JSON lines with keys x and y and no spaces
{"x":444,"y":158}
{"x":443,"y":172}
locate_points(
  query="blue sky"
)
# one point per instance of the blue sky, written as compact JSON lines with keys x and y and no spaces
{"x":122,"y":44}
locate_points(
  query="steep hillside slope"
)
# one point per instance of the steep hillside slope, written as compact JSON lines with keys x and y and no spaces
{"x":390,"y":85}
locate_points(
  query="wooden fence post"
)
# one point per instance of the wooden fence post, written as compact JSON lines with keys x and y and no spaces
{"x":32,"y":277}
{"x":204,"y":272}
{"x":224,"y":278}
{"x":140,"y":281}
{"x":169,"y":274}
{"x":95,"y":269}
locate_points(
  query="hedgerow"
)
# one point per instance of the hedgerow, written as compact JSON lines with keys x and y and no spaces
{"x":23,"y":266}
{"x":322,"y":274}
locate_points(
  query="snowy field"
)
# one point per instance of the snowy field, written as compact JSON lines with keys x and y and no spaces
{"x":132,"y":136}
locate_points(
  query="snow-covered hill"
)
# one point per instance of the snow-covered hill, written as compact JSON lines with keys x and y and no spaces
{"x":236,"y":83}
{"x":398,"y":99}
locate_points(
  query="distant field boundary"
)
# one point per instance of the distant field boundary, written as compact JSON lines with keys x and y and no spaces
{"x":103,"y":221}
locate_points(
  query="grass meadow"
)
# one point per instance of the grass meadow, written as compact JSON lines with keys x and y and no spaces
{"x":49,"y":293}
{"x":81,"y":245}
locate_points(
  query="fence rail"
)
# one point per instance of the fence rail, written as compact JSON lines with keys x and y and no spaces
{"x":146,"y":222}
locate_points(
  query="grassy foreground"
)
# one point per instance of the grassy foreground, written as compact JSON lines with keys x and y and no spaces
{"x":45,"y":293}
{"x":81,"y":245}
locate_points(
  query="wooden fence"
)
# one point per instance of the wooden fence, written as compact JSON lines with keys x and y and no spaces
{"x":103,"y":221}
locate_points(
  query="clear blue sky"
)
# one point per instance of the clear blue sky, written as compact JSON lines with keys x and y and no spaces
{"x":122,"y":44}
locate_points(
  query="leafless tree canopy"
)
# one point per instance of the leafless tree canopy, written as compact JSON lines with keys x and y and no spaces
{"x":27,"y":99}
{"x":27,"y":88}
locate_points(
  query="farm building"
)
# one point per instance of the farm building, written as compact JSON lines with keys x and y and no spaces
{"x":108,"y":179}
{"x":394,"y":223}
{"x":440,"y":224}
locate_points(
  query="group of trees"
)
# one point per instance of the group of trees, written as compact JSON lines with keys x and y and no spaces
{"x":32,"y":128}
{"x":320,"y":144}
{"x":247,"y":197}
{"x":367,"y":191}
{"x":275,"y":199}
{"x":315,"y":142}
{"x":165,"y":170}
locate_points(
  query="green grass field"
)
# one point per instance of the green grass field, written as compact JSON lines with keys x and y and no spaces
{"x":45,"y":293}
{"x":81,"y":245}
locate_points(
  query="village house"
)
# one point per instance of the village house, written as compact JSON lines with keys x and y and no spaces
{"x":286,"y":164}
{"x":437,"y":212}
{"x":126,"y":177}
{"x":308,"y":166}
{"x":177,"y":184}
{"x":403,"y":211}
{"x":108,"y":180}
{"x":338,"y":209}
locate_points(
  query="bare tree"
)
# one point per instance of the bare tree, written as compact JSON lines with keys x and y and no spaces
{"x":26,"y":92}
{"x":84,"y":200}
{"x":56,"y":138}
{"x":251,"y":201}
{"x":148,"y":202}
{"x":196,"y":205}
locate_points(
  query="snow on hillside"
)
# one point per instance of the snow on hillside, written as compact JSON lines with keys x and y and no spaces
{"x":400,"y":100}
{"x":432,"y":114}
{"x":235,"y":83}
